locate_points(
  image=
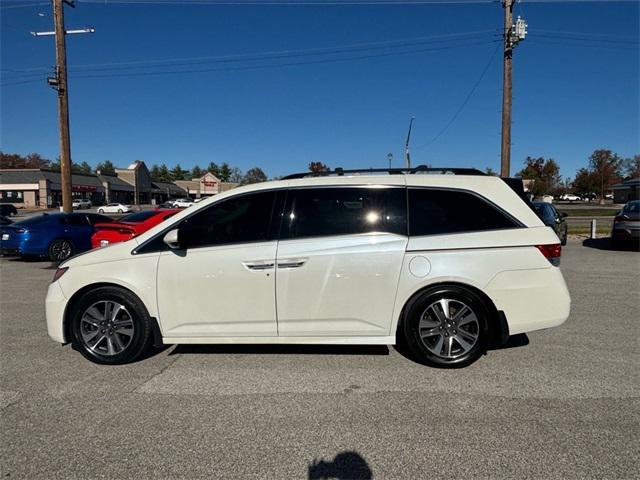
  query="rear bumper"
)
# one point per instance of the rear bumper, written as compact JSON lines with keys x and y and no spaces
{"x":55,"y":304}
{"x":531,"y":299}
{"x":625,"y":234}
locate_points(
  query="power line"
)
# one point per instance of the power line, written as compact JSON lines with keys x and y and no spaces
{"x":465,"y":101}
{"x":22,"y":5}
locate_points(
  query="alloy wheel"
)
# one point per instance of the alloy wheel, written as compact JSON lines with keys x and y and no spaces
{"x":106,"y":328}
{"x":449,"y":328}
{"x":61,"y":250}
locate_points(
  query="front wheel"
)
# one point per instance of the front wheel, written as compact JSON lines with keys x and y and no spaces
{"x":119,"y":210}
{"x":446,"y":327}
{"x":60,"y":250}
{"x":110,"y":326}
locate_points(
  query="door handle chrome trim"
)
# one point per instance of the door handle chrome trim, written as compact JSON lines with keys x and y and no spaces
{"x":259,"y":265}
{"x":292,"y":263}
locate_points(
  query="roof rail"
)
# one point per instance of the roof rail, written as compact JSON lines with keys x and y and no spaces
{"x":391,"y":171}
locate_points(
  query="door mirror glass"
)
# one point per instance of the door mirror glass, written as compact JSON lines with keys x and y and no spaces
{"x":172,"y":239}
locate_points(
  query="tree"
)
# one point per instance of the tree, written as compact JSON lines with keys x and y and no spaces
{"x":84,"y":167}
{"x":224,"y":172}
{"x":106,"y":167}
{"x":544,"y":172}
{"x":13,"y":160}
{"x":606,"y":166}
{"x":164,"y":175}
{"x":254,"y":175}
{"x":178,"y":173}
{"x":585,"y":182}
{"x":235,"y":175}
{"x":196,"y":172}
{"x":214,"y":168}
{"x":632,"y":167}
{"x":318,"y":167}
{"x":491,"y":171}
{"x":154,"y":171}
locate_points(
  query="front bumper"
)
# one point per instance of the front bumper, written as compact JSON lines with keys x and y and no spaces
{"x":55,"y":304}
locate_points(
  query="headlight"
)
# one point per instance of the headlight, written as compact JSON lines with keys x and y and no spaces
{"x":59,"y":273}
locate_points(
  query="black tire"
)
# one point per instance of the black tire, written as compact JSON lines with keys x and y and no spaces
{"x":60,"y":249}
{"x":119,"y":210}
{"x":135,"y":310}
{"x":416,"y":311}
{"x":563,"y":241}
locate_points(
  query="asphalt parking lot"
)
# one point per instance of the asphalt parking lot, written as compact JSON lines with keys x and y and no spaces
{"x":561,"y":403}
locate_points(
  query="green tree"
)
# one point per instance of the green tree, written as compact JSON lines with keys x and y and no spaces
{"x":585,"y":182}
{"x":13,"y":160}
{"x":224,"y":172}
{"x":164,"y":175}
{"x":235,"y":175}
{"x":197,"y":172}
{"x":606,"y":167}
{"x":154,"y":171}
{"x":254,"y":175}
{"x":178,"y":173}
{"x":491,"y":171}
{"x":632,"y":167}
{"x":106,"y":167}
{"x":84,"y":167}
{"x":214,"y":168}
{"x":544,"y":172}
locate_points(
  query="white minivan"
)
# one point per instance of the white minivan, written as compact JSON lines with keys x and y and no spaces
{"x":448,"y":262}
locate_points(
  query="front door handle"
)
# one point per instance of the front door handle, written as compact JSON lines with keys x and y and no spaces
{"x":259,"y":265}
{"x":291,"y":262}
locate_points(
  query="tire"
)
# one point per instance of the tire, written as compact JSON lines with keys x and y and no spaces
{"x":60,"y":249}
{"x":121,"y":338}
{"x":119,"y":210}
{"x":446,"y":341}
{"x":563,"y":240}
{"x":101,"y":210}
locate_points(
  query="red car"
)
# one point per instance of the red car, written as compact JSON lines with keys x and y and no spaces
{"x":129,"y":226}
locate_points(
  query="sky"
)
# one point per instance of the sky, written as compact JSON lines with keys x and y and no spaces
{"x":279,"y":86}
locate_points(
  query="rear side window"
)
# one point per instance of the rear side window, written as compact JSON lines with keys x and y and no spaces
{"x":77,"y":220}
{"x":319,"y":212}
{"x":240,"y":219}
{"x":138,"y":216}
{"x":434,"y":212}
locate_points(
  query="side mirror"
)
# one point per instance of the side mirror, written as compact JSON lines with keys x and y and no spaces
{"x":172,"y":239}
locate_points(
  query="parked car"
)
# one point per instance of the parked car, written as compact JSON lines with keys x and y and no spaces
{"x":329,"y":259}
{"x":80,"y":203}
{"x":588,"y":197}
{"x":182,"y":203}
{"x":168,"y":204}
{"x":626,"y":224}
{"x":5,"y":220}
{"x":114,"y":208}
{"x":57,"y":236}
{"x":128,"y":227}
{"x":552,"y":218}
{"x":608,"y":196}
{"x":8,"y":210}
{"x":570,"y":197}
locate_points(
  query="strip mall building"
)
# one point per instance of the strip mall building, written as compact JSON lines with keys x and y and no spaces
{"x":32,"y":188}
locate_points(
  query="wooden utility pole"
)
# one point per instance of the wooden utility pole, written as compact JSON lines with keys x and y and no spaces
{"x":505,"y":162}
{"x":59,"y":82}
{"x":63,"y":104}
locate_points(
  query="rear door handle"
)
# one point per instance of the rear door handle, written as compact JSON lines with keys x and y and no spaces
{"x":291,"y":262}
{"x":259,"y":265}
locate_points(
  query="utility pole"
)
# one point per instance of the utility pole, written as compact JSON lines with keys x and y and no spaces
{"x":59,"y":82}
{"x":407,"y":157}
{"x":513,"y":33}
{"x":390,"y":158}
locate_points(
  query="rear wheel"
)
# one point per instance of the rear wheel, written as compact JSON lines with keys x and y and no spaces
{"x":446,"y":326}
{"x":110,"y":326}
{"x":101,"y":210}
{"x":60,"y":250}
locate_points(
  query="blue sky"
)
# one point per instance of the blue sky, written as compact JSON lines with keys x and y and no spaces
{"x":571,"y":95}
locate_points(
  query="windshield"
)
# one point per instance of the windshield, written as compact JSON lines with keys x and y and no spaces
{"x":138,"y":217}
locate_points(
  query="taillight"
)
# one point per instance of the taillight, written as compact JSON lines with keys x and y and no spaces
{"x":551,"y":252}
{"x":59,"y":272}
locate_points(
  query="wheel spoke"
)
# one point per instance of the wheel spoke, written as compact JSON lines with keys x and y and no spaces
{"x":98,"y":342}
{"x":118,"y":342}
{"x":437,"y":312}
{"x":471,"y":318}
{"x":467,"y":335}
{"x":466,"y":346}
{"x":448,"y":345}
{"x":431,"y":332}
{"x":87,"y":337}
{"x":461,"y":313}
{"x":426,"y":322}
{"x":115,"y":310}
{"x":437,"y":349}
{"x":110,"y":349}
{"x":444,"y":304}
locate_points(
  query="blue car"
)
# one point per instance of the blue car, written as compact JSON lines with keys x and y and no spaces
{"x":55,"y":236}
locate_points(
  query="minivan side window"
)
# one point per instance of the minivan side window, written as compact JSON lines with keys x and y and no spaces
{"x":319,"y":212}
{"x":436,"y":211}
{"x":241,"y":219}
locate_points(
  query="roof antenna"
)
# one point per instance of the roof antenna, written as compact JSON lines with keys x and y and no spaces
{"x":407,"y":157}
